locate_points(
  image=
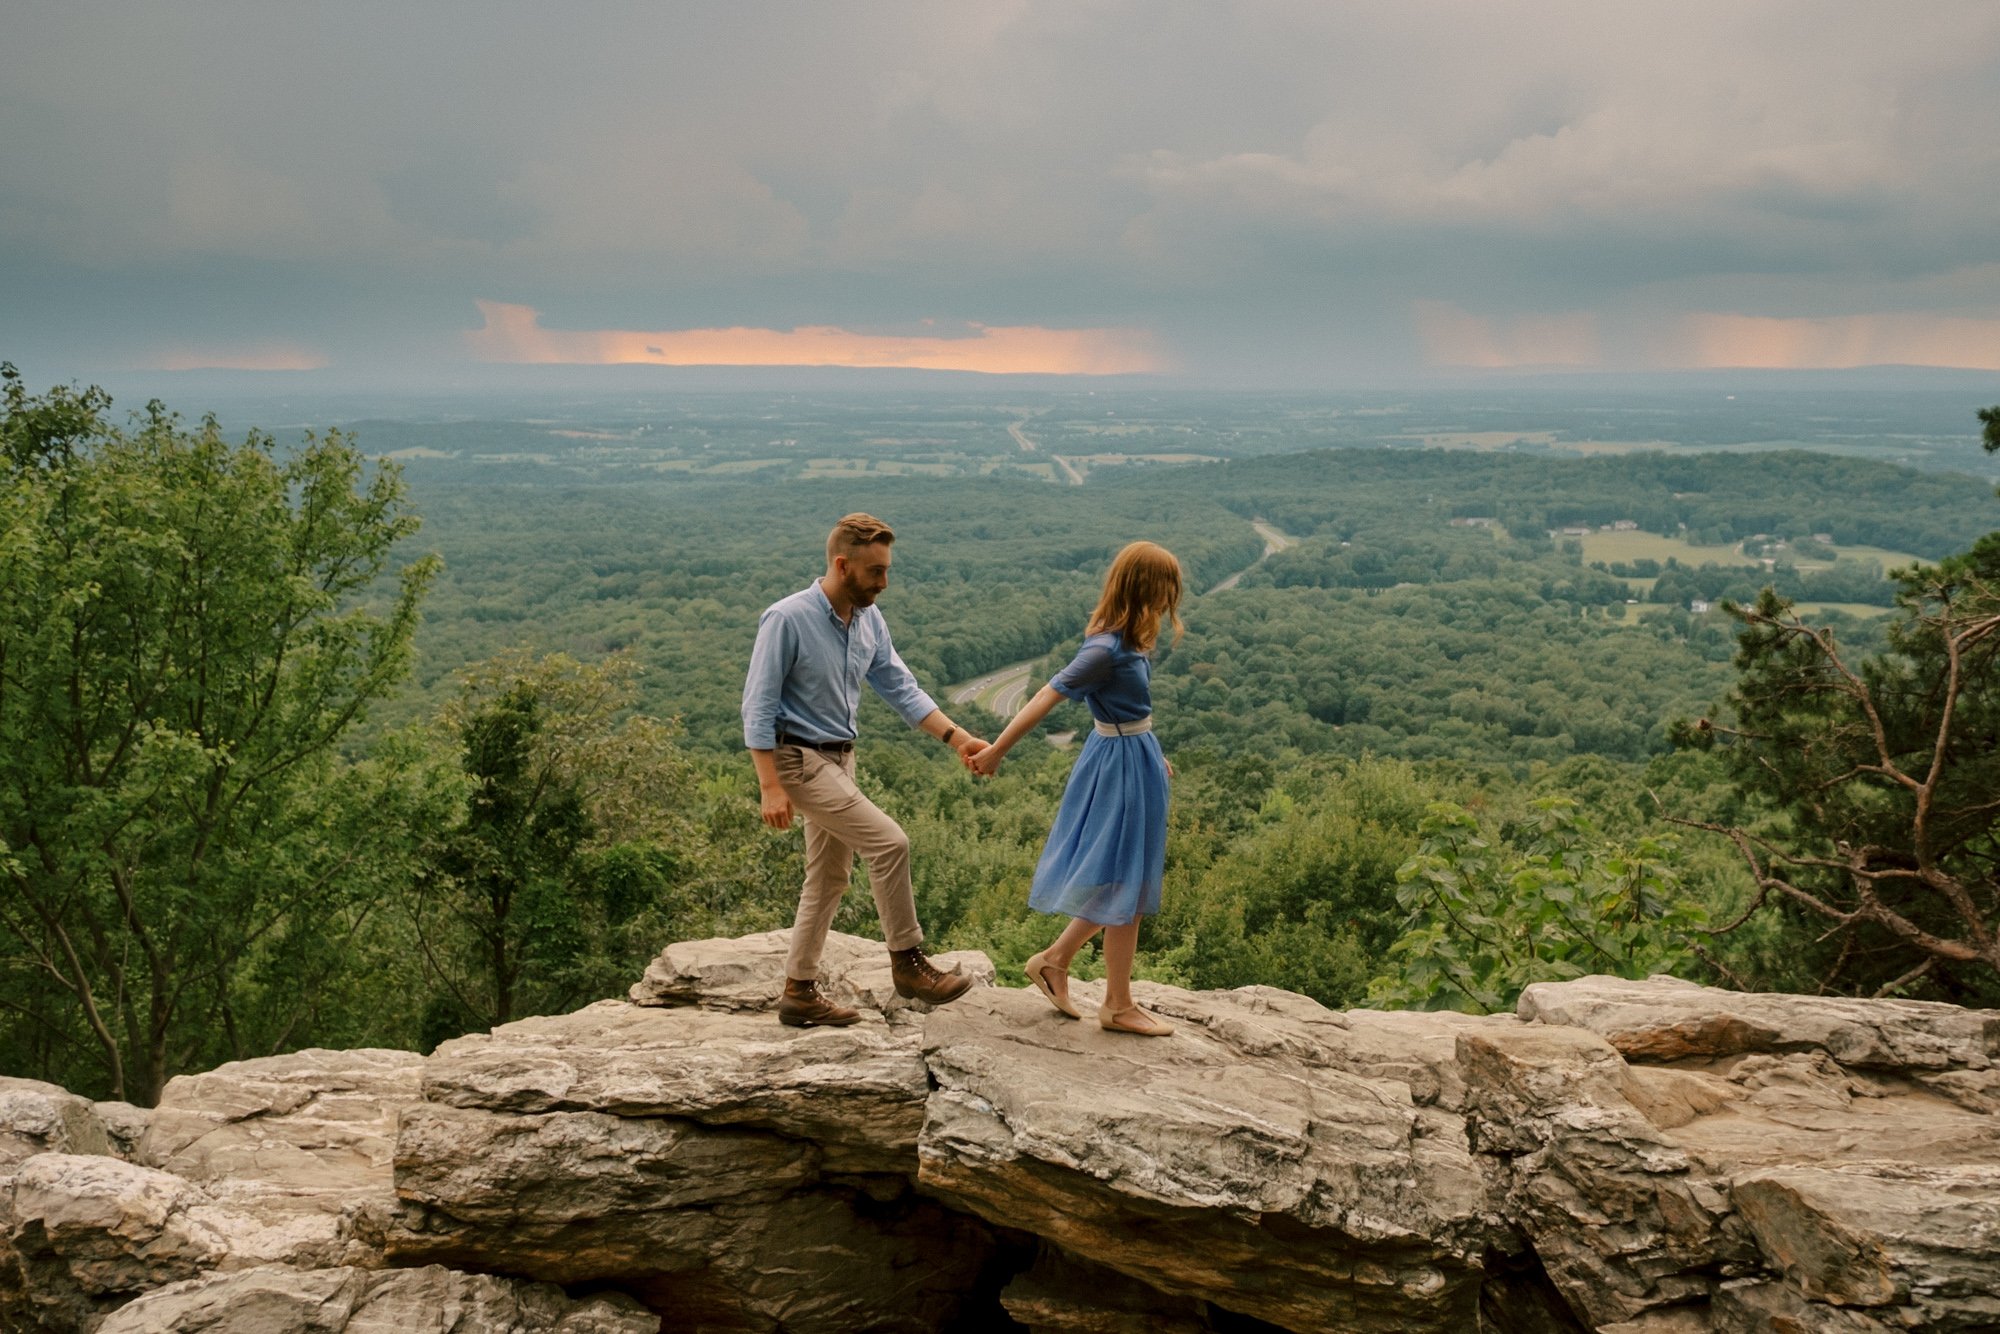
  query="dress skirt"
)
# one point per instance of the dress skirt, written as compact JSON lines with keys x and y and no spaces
{"x":1108,"y":849}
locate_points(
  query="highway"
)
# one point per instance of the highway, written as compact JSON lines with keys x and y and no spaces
{"x":1004,"y":691}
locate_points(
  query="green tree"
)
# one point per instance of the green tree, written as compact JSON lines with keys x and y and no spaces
{"x":1549,"y":899}
{"x":586,"y":839}
{"x":1876,"y":776}
{"x":181,"y":650}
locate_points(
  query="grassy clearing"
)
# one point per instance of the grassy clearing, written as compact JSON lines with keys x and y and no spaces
{"x":1808,"y":610}
{"x":1634,"y":545}
{"x":1479,"y":439}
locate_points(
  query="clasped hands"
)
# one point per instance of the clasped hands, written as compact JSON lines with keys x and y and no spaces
{"x":983,"y":759}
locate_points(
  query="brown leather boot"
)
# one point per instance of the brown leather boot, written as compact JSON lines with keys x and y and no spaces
{"x":803,"y":1007}
{"x":917,"y":979}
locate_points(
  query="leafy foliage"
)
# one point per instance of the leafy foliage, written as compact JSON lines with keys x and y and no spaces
{"x":1548,"y":900}
{"x":1881,"y":774}
{"x":584,"y":839}
{"x":187,"y":857}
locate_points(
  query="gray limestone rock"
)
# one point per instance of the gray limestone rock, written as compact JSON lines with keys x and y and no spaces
{"x":735,"y":1172}
{"x":1640,"y":1157}
{"x":858,"y":1091}
{"x":1234,"y":1162}
{"x":84,"y":1233}
{"x":748,"y":974}
{"x":1665,"y":1019}
{"x":46,"y":1118}
{"x":304,"y":1141}
{"x":278,"y":1299}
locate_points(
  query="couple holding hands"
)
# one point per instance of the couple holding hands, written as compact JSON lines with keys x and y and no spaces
{"x":1106,"y":853}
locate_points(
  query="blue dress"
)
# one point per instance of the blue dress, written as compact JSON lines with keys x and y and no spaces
{"x":1108,"y":849}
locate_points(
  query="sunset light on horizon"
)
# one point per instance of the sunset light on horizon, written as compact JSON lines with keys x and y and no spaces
{"x":514,"y":333}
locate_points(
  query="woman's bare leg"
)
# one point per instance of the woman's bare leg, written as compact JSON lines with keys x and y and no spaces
{"x":1121,"y":943}
{"x":1073,"y":938}
{"x":1064,"y":951}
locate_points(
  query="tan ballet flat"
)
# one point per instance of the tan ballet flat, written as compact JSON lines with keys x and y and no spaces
{"x":1038,"y":968}
{"x":1132,"y":1019}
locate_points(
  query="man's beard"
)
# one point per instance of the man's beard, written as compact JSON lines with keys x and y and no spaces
{"x":857,"y":594}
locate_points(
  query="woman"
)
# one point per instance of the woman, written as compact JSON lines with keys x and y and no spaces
{"x":1107,"y":850}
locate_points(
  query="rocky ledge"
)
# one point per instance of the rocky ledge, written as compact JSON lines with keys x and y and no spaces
{"x":1623,"y":1156}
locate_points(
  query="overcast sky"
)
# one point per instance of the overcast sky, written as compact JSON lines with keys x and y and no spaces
{"x":1286,"y":193}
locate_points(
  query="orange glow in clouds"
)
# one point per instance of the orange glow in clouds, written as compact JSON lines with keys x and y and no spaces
{"x":1843,"y":341}
{"x":515,"y":334}
{"x":1705,"y":340}
{"x":258,"y":357}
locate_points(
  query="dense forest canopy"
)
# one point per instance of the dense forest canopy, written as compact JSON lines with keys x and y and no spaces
{"x":1459,"y":672}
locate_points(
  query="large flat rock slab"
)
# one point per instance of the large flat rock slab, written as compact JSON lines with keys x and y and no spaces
{"x":283,"y":1300}
{"x":1666,"y":1019}
{"x":857,"y":1091}
{"x":724,"y":1227}
{"x":1234,"y":1162}
{"x":46,"y":1118}
{"x":747,"y":973}
{"x":1684,"y":1154}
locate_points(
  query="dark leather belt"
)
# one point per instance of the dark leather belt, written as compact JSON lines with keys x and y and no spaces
{"x":830,"y":747}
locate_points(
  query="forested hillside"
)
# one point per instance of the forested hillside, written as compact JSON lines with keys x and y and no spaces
{"x":1386,"y":630}
{"x":468,"y":735}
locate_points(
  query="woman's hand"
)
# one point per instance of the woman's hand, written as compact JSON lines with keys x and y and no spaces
{"x":985,"y":761}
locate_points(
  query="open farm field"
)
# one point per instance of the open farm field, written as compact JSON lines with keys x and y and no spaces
{"x":1613,"y":447}
{"x":1633,"y":544}
{"x":1480,"y":439}
{"x":1883,"y":556}
{"x":1808,"y":610}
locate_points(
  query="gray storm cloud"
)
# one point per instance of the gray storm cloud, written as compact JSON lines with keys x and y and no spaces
{"x":1283,"y":190}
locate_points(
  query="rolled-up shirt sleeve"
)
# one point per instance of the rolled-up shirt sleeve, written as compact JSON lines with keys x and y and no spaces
{"x":1088,"y":669}
{"x":896,"y":684}
{"x":770,"y":658}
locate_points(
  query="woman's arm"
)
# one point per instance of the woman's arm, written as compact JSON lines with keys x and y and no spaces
{"x":987,"y":761}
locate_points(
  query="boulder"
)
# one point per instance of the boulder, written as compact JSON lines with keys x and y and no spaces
{"x":857,"y":1092}
{"x":1635,"y":1157}
{"x":747,"y":973}
{"x":124,"y":1124}
{"x":86,"y":1233}
{"x":1235,"y":1163}
{"x":1682,"y":1155}
{"x":278,"y":1299}
{"x":46,"y":1118}
{"x":1666,"y":1019}
{"x":304,"y":1141}
{"x":692,"y":1150}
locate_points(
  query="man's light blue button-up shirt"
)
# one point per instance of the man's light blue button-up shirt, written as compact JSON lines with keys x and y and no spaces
{"x":807,"y":668}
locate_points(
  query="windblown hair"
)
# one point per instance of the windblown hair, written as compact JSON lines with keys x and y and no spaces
{"x":854,"y":532}
{"x":1142,"y":587}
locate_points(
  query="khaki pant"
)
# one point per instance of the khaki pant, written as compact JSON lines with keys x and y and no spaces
{"x":841,"y":822}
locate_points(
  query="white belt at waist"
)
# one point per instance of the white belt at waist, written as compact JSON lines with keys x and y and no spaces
{"x":1137,"y":727}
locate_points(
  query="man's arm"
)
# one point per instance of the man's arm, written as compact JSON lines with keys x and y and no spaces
{"x":770,"y":659}
{"x":776,"y":803}
{"x":944,"y":729}
{"x":897,"y":685}
{"x":987,"y":762}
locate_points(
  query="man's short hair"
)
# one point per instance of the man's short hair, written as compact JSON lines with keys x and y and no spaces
{"x":853,"y":532}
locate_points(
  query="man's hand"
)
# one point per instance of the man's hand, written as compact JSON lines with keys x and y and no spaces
{"x":777,"y":804}
{"x":967,"y":745}
{"x":985,"y":761}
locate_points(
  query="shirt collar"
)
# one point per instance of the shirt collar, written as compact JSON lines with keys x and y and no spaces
{"x":826,"y":605}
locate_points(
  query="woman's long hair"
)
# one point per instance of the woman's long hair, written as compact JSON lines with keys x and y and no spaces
{"x":1142,"y":587}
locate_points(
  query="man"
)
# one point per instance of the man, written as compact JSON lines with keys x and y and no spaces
{"x":800,"y":701}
